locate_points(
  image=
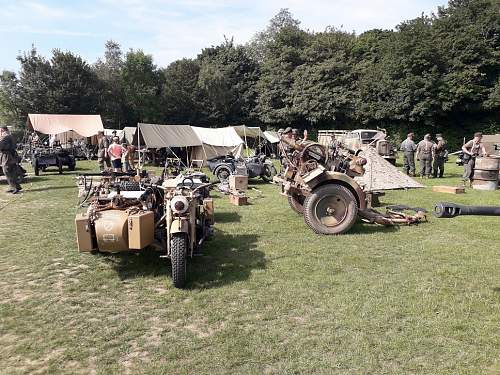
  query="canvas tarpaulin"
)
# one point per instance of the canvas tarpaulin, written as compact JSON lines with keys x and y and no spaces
{"x":159,"y":136}
{"x":248,"y":132}
{"x":272,"y":137}
{"x":84,"y":125}
{"x":382,"y":175}
{"x":216,"y":142}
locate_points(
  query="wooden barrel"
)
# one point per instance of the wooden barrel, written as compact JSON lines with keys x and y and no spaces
{"x":485,"y":174}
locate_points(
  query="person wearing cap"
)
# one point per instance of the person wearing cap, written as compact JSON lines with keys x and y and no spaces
{"x":102,"y":151}
{"x":409,"y":147}
{"x":472,"y":150}
{"x":440,"y":156}
{"x":9,"y":160}
{"x":425,"y":149}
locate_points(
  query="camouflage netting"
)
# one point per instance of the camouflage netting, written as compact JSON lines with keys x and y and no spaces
{"x":382,"y":175}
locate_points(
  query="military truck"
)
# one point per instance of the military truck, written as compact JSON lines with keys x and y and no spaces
{"x":359,"y":139}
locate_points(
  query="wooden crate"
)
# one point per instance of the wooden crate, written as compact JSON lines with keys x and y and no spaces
{"x":238,"y":199}
{"x":238,"y":182}
{"x":448,"y":189}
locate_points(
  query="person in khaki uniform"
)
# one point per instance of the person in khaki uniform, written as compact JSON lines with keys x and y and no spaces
{"x":440,"y":156}
{"x":472,"y":150}
{"x":425,"y":150}
{"x":9,"y":160}
{"x":409,"y":147}
{"x":102,"y":151}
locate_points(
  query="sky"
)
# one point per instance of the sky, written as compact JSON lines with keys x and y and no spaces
{"x":173,"y":29}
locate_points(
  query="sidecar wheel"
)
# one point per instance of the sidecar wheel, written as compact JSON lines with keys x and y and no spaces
{"x":223,"y":173}
{"x":178,"y":246}
{"x":269,"y":173}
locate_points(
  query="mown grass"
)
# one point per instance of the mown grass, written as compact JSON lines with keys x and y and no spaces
{"x":269,"y":296}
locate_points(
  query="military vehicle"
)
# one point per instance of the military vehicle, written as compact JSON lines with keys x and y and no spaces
{"x":254,"y":166}
{"x":361,"y":138}
{"x":46,"y":157}
{"x":171,"y":214}
{"x":321,"y":187}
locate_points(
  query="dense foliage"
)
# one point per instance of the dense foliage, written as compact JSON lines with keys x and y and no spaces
{"x":433,"y":73}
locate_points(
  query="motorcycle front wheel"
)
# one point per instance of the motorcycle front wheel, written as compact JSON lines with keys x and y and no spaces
{"x":178,"y":252}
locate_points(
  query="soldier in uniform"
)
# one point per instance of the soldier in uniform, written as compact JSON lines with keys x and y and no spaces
{"x":409,"y":147}
{"x":425,"y":149}
{"x":333,"y":146}
{"x":440,"y":156}
{"x":471,"y":150}
{"x":9,"y":160}
{"x":102,"y":151}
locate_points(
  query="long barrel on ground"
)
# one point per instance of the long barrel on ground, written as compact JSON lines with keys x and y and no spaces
{"x":447,"y":210}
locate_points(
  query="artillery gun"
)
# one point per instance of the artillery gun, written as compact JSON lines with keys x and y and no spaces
{"x":320,"y":186}
{"x":126,"y":212}
{"x":449,"y":210}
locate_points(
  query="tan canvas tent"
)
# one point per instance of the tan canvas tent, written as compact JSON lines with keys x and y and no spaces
{"x":159,"y":136}
{"x":83,"y":125}
{"x":216,"y":142}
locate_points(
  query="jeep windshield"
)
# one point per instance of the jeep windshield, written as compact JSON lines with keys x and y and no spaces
{"x":367,"y":136}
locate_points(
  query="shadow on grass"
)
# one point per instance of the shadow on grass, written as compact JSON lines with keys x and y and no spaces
{"x":226,"y":259}
{"x":366,"y":228}
{"x":50,"y":188}
{"x":227,"y":217}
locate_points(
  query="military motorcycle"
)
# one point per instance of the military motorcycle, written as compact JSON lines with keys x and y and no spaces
{"x":126,"y":212}
{"x":254,"y":167}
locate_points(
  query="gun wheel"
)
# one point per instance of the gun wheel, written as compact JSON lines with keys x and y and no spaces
{"x":296,"y":202}
{"x":330,"y":209}
{"x":178,"y":251}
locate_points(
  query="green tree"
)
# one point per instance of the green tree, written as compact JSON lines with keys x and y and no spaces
{"x":142,"y":86}
{"x":109,"y":71}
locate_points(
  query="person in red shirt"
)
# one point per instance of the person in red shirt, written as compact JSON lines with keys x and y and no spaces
{"x":115,"y":152}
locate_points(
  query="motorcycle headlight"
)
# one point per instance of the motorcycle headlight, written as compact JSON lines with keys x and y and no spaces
{"x":179,"y":204}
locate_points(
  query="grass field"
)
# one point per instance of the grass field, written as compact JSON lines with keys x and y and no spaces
{"x":269,"y":296}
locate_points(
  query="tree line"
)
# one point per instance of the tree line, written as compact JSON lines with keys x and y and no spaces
{"x":435,"y":73}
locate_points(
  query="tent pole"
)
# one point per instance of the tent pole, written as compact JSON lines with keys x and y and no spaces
{"x":139,"y":148}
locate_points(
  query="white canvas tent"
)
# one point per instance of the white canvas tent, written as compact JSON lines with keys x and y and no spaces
{"x":129,"y":134}
{"x":216,"y":142}
{"x":271,"y":136}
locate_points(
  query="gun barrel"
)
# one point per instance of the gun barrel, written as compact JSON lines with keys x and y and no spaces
{"x":447,"y":210}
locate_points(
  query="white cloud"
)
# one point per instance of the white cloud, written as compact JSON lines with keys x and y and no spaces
{"x":172,"y":29}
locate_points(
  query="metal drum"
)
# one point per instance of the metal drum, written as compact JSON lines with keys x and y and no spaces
{"x":485,"y":174}
{"x":487,"y":164}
